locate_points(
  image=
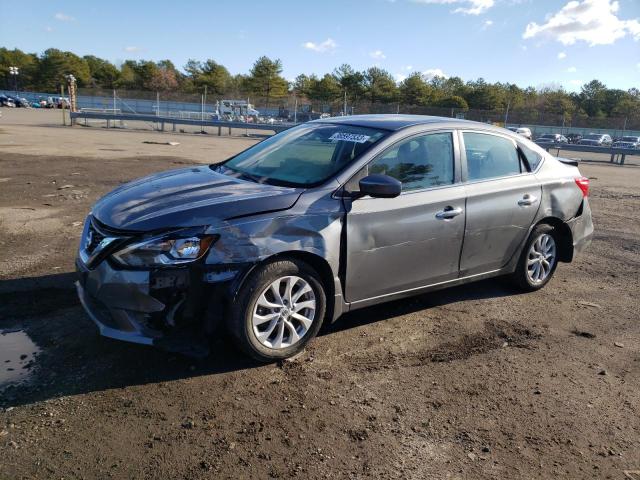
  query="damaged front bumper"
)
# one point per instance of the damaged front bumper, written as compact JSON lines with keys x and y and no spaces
{"x":172,"y":309}
{"x":118,"y":302}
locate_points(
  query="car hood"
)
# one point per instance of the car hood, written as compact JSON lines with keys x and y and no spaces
{"x":188,"y":197}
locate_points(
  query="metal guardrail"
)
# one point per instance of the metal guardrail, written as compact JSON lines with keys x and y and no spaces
{"x":109,"y":117}
{"x":620,"y":153}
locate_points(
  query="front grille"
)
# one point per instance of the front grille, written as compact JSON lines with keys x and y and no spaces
{"x":98,"y":242}
{"x":94,"y":237}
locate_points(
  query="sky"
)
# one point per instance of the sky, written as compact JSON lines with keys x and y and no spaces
{"x":527,"y":42}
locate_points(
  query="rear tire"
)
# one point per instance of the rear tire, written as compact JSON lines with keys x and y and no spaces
{"x":279,"y":309}
{"x":538,"y":260}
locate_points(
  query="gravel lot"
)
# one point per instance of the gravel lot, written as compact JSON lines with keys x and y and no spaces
{"x":472,"y":382}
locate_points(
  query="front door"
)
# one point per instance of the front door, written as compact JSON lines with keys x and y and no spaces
{"x":413,"y":240}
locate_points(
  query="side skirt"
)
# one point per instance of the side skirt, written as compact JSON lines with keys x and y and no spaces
{"x":429,"y":288}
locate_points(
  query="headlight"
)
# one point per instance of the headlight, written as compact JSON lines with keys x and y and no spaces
{"x":169,"y":249}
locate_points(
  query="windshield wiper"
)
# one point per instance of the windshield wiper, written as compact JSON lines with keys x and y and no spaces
{"x":250,"y":177}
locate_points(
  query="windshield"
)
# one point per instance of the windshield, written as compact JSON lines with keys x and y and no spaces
{"x":302,"y":156}
{"x":593,"y":137}
{"x":630,"y":139}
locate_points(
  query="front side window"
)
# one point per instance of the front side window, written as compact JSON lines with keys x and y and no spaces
{"x":302,"y":156}
{"x":490,"y":156}
{"x":418,"y":162}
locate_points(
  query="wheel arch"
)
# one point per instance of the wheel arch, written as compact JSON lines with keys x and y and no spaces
{"x":564,"y":234}
{"x":318,"y":263}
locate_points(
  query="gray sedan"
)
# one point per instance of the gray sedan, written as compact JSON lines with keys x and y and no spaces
{"x":324,"y":218}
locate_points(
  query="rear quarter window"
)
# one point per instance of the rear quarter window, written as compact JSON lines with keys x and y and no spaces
{"x":532,"y":156}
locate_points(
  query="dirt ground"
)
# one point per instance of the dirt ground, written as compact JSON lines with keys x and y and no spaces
{"x":475,"y":382}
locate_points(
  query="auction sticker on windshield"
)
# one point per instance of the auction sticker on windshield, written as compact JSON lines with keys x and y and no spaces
{"x":349,"y":137}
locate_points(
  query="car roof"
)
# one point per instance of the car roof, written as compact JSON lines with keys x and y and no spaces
{"x":398,"y":122}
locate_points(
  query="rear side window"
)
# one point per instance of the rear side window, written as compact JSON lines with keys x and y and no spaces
{"x":419,"y":162}
{"x":490,"y":156}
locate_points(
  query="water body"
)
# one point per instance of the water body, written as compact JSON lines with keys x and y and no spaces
{"x":17,"y":356}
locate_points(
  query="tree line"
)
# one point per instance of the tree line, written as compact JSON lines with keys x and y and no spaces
{"x":45,"y":72}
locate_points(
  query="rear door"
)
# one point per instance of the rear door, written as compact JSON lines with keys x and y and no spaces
{"x":503,"y":198}
{"x":402,"y":243}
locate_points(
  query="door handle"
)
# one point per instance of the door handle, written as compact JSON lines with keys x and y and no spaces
{"x":527,"y":200}
{"x":448,"y":213}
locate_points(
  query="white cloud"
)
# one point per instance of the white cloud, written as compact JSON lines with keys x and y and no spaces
{"x":562,"y":56}
{"x":572,"y":69}
{"x":592,"y":21}
{"x":487,"y":24}
{"x":576,"y":83}
{"x":327,"y":46}
{"x":399,"y":77}
{"x":131,"y":49}
{"x":430,"y":73}
{"x":469,"y":7}
{"x":377,"y":54}
{"x":63,"y":17}
{"x":408,"y":68}
{"x":48,"y":29}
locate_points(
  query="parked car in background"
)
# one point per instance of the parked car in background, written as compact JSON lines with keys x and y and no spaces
{"x":524,"y":131}
{"x":20,"y":102}
{"x":574,"y":137}
{"x":596,"y":140}
{"x":324,"y":218}
{"x":6,"y":101}
{"x":628,"y":142}
{"x":552,"y":138}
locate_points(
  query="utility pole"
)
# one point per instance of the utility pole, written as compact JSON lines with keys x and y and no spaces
{"x":295,"y":108}
{"x":344,"y":105}
{"x":506,"y":114}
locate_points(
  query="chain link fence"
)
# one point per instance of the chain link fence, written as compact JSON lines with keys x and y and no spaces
{"x":197,"y":106}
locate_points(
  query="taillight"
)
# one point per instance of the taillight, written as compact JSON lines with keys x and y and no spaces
{"x":583,"y":184}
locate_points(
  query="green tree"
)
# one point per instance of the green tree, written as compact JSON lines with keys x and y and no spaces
{"x":628,"y":106}
{"x":127,"y":78}
{"x":484,"y":96}
{"x":55,"y":64}
{"x":351,"y":82}
{"x":325,"y":90}
{"x":210,"y":73}
{"x":265,"y":79}
{"x":453,"y":101}
{"x":102,"y":72}
{"x":592,"y":97}
{"x":27,"y":63}
{"x":380,"y":85}
{"x":414,"y":90}
{"x":302,"y":84}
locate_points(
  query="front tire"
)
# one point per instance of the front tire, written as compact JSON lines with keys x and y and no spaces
{"x":538,"y":260}
{"x":279,"y":309}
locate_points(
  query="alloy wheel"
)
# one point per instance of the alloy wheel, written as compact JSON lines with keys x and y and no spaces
{"x":284,"y":312}
{"x":541,"y":258}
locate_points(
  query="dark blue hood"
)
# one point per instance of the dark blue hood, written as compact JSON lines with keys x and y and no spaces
{"x":188,"y":197}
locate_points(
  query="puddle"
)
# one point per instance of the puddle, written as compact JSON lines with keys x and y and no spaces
{"x":17,"y":356}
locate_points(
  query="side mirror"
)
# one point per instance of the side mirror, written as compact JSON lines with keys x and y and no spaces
{"x":380,"y":186}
